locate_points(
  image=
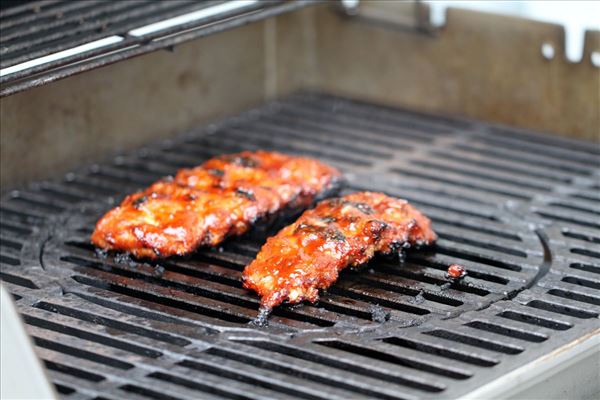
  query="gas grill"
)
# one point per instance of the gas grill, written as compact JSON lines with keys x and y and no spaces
{"x":517,"y":208}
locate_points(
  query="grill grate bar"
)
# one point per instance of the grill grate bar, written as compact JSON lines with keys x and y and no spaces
{"x":533,"y":319}
{"x":544,"y":140}
{"x":524,"y":158}
{"x":406,"y":358}
{"x":318,"y":375}
{"x":490,"y":175}
{"x":441,"y":351}
{"x":73,"y":371}
{"x":104,"y":340}
{"x":375,"y":116}
{"x":313,"y":359}
{"x":176,"y":281}
{"x":574,"y":156}
{"x":222,"y":391}
{"x":31,"y":45}
{"x":62,"y":24}
{"x":497,"y":164}
{"x":476,"y":341}
{"x":312,"y":127}
{"x":478,"y":184}
{"x":50,"y":10}
{"x":230,"y":369}
{"x":111,"y":323}
{"x":25,"y":7}
{"x":560,"y":308}
{"x":317,"y":119}
{"x":58,"y":347}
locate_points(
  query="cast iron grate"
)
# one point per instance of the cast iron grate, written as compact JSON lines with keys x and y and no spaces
{"x":516,"y":208}
{"x":110,"y":31}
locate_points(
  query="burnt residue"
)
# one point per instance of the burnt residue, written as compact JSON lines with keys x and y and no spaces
{"x":246,"y":193}
{"x":328,"y":232}
{"x":216,"y":172}
{"x":335,"y":234}
{"x":362,"y":207}
{"x":544,"y":267}
{"x":137,"y":203}
{"x":262,"y":318}
{"x":243,"y":161}
{"x":376,"y":227}
{"x":379,"y":314}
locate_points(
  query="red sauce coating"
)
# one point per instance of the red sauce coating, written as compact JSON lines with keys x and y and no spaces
{"x":203,"y":205}
{"x":456,"y":271}
{"x":309,"y":254}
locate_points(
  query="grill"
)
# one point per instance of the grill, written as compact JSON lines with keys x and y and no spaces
{"x":89,"y":34}
{"x":518,"y":209}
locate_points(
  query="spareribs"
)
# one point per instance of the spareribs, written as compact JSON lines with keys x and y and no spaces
{"x":202,"y":206}
{"x":308,"y":255}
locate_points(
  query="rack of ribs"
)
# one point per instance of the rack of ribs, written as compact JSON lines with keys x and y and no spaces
{"x":342,"y":232}
{"x":202,"y":206}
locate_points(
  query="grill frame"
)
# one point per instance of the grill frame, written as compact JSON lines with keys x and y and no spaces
{"x":80,"y":329}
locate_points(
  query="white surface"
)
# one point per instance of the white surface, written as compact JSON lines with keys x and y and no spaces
{"x":575,"y":16}
{"x":595,"y":56}
{"x":193,"y":16}
{"x":21,"y":373}
{"x":61,"y":54}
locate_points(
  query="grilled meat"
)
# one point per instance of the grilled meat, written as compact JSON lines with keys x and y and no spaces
{"x":203,"y":205}
{"x":308,"y":255}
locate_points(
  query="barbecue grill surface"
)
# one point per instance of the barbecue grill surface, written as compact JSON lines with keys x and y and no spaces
{"x":519,"y":210}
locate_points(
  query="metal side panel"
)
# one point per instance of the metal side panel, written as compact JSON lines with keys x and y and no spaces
{"x":570,"y":371}
{"x":23,"y":376}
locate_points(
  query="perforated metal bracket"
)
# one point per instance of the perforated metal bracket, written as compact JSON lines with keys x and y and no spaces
{"x":578,"y":19}
{"x":426,"y":16}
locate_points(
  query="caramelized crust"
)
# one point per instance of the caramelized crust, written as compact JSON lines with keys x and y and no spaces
{"x":308,"y":255}
{"x":203,"y":205}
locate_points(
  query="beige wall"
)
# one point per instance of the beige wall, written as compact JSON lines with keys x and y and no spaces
{"x":484,"y":67}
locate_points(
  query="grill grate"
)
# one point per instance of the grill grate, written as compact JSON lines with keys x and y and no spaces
{"x":516,"y":208}
{"x":46,"y":38}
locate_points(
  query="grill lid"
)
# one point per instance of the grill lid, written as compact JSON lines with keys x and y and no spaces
{"x":517,"y":209}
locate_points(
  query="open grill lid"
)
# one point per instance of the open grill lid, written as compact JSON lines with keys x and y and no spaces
{"x":519,"y":210}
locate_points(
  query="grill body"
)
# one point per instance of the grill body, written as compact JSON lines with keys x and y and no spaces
{"x":518,"y":209}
